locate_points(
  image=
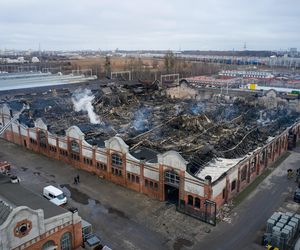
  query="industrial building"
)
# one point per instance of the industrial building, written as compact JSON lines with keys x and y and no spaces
{"x":198,"y":151}
{"x":246,"y":74}
{"x":22,"y":80}
{"x":29,"y":221}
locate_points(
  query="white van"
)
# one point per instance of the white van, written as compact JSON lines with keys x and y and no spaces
{"x":55,"y":195}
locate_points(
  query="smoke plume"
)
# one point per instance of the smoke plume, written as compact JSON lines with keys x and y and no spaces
{"x":82,"y":101}
{"x":140,"y":122}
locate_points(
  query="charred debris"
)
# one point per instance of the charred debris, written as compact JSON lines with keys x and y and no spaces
{"x":151,"y":122}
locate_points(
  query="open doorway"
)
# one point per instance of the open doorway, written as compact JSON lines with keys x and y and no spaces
{"x":171,"y":194}
{"x":171,"y":179}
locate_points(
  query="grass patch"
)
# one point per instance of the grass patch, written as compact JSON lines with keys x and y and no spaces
{"x":243,"y":194}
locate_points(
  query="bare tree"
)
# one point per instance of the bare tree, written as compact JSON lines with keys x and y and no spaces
{"x":169,"y":60}
{"x":107,"y":66}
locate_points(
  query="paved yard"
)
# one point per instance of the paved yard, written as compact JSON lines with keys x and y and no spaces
{"x":124,"y":219}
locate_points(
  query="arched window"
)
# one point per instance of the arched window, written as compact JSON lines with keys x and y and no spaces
{"x":48,"y":245}
{"x":66,"y":241}
{"x":197,"y":202}
{"x":75,"y":146}
{"x":190,"y":200}
{"x":171,"y":178}
{"x":116,"y":160}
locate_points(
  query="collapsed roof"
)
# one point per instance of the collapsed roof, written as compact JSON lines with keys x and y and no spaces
{"x":150,"y":121}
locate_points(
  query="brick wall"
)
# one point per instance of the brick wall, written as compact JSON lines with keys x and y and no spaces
{"x":137,"y":181}
{"x":55,"y":235}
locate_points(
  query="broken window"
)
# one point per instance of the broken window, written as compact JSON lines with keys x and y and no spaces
{"x":116,"y":172}
{"x":137,"y":179}
{"x":52,"y":148}
{"x":223,"y":193}
{"x":75,"y":157}
{"x":197,"y":202}
{"x":101,"y":166}
{"x":116,"y":160}
{"x":172,"y":178}
{"x":88,"y":161}
{"x":244,"y":173}
{"x":133,"y":178}
{"x":190,"y":200}
{"x":233,"y":185}
{"x":63,"y":152}
{"x":32,"y":141}
{"x":75,"y":146}
{"x":253,"y":165}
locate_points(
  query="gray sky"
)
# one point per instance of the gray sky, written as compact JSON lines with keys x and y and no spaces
{"x":155,"y":24}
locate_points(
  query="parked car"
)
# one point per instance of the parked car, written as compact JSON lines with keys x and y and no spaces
{"x":55,"y":195}
{"x":14,"y":179}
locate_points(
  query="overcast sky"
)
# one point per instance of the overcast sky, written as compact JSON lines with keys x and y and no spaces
{"x":153,"y":24}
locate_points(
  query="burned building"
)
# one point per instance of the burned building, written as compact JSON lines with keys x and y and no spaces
{"x":198,"y":152}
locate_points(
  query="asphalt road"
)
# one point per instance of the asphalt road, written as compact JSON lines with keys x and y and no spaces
{"x":251,"y":215}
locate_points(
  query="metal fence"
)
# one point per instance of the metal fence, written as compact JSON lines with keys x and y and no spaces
{"x":207,"y":214}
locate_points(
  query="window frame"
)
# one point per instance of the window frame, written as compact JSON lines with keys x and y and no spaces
{"x":66,"y":241}
{"x":116,"y":160}
{"x":190,"y":200}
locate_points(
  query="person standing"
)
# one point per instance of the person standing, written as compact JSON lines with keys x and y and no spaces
{"x":298,"y":175}
{"x":78,"y":181}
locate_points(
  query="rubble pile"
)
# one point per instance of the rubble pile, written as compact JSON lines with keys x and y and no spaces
{"x":145,"y":116}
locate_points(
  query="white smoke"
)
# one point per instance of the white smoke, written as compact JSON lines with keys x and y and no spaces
{"x":82,"y":101}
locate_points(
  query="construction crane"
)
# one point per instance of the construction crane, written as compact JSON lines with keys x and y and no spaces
{"x":13,"y":119}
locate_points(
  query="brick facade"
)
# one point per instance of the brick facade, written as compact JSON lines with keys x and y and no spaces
{"x":55,"y":235}
{"x":144,"y":177}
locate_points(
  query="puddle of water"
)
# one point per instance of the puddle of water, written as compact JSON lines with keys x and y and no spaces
{"x":181,"y":242}
{"x":94,"y":205}
{"x":76,"y":195}
{"x":117,"y":212}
